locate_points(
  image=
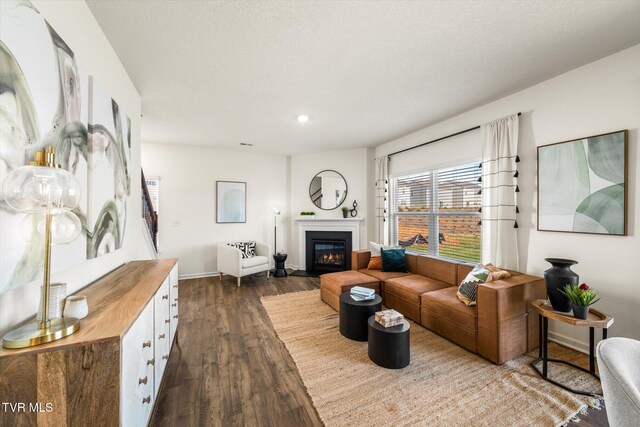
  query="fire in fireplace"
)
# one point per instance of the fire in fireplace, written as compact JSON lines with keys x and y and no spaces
{"x":328,"y":251}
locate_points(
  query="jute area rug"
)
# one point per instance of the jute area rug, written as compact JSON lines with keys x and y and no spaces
{"x":444,"y":385}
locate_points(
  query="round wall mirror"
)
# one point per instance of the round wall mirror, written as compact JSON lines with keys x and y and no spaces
{"x":328,"y":189}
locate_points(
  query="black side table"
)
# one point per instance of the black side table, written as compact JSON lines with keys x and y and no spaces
{"x":279,"y":271}
{"x":389,"y":347}
{"x":354,"y":315}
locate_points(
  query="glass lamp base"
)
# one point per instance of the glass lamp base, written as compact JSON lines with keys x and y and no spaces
{"x":30,"y":335}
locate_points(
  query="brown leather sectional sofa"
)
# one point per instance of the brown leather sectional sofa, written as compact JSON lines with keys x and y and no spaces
{"x":499,"y":327}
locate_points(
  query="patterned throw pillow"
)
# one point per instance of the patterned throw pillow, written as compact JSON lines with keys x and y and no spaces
{"x":467,"y":291}
{"x":248,"y":249}
{"x":375,"y":263}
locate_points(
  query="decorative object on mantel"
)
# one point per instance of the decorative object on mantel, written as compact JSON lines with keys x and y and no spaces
{"x":580,"y":297}
{"x":231,"y":202}
{"x":582,"y":185}
{"x":76,"y":306}
{"x":354,"y":212}
{"x":328,"y":190}
{"x":345,"y":211}
{"x":46,"y":194}
{"x":556,"y":278}
{"x":308,"y":214}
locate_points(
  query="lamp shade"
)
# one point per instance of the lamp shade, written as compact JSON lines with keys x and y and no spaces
{"x":65,"y":227}
{"x":36,"y":188}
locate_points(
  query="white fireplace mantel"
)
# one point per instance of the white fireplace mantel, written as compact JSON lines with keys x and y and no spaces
{"x":326,"y":224}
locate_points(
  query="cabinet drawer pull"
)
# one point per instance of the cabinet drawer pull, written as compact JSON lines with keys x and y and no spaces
{"x":165,"y":296}
{"x":175,"y":316}
{"x":165,"y":357}
{"x":151,"y":362}
{"x":175,"y":286}
{"x":146,"y":399}
{"x":142,"y":381}
{"x":175,"y":299}
{"x":160,"y":336}
{"x":166,"y":321}
{"x":175,"y":304}
{"x":146,"y":344}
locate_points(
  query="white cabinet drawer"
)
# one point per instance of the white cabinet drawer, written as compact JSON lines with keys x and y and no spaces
{"x":137,"y":375}
{"x":162,"y":321}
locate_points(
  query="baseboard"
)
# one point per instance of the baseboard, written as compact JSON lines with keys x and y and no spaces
{"x":569,"y":342}
{"x":197,"y":275}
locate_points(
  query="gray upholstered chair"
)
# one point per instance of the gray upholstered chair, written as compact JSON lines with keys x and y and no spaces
{"x":619,"y":366}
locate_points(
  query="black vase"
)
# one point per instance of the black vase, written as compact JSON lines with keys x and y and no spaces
{"x":556,"y":278}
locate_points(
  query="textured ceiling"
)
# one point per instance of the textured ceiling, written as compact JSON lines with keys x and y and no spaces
{"x":225,"y":72}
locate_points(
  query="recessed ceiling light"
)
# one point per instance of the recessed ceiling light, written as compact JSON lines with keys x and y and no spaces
{"x":302,"y":118}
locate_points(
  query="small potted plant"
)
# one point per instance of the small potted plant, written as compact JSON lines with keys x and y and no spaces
{"x":580,"y":298}
{"x":308,"y":214}
{"x":345,"y":211}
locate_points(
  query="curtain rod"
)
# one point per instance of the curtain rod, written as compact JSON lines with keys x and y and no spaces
{"x":436,"y":140}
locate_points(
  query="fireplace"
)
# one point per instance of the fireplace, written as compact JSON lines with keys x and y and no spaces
{"x":328,"y":251}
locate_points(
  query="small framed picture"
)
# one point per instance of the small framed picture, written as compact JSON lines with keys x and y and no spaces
{"x":231,"y":202}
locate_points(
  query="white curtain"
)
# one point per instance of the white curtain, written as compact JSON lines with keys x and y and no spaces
{"x":499,"y":192}
{"x":382,"y":200}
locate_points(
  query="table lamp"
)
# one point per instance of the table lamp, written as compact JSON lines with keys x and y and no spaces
{"x":46,"y":194}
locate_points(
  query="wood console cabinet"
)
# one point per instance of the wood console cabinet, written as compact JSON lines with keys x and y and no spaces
{"x":109,"y":372}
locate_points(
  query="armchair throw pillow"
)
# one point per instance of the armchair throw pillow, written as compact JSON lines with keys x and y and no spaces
{"x":248,"y":249}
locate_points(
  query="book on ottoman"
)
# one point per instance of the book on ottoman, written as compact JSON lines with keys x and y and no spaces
{"x":388,"y":318}
{"x":365,"y":292}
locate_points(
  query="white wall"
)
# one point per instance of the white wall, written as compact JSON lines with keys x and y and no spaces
{"x":600,"y":97}
{"x":76,"y":25}
{"x":355,"y":165}
{"x":187,"y":216}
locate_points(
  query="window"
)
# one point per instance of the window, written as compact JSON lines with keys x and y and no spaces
{"x":437,"y":212}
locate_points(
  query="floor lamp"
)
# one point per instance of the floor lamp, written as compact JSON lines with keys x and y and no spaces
{"x":46,"y":194}
{"x":276,"y":212}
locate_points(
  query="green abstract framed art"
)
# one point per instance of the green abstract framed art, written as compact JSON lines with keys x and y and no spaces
{"x":582,"y":185}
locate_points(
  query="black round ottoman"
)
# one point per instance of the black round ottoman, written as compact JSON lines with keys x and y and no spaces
{"x":389,"y":347}
{"x":354,"y":315}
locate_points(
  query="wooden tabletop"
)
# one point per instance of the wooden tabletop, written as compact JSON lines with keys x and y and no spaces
{"x":115,"y":302}
{"x":595,"y":318}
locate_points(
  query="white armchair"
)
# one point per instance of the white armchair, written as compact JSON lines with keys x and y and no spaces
{"x":230,"y":261}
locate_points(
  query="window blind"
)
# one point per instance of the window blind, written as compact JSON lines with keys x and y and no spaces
{"x":438,"y":212}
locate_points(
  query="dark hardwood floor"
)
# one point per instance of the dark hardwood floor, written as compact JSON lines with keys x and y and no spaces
{"x":228,"y":367}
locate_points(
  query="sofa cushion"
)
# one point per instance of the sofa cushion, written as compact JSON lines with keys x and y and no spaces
{"x":445,"y":303}
{"x":412,"y":286}
{"x":332,"y":285}
{"x":382,"y":275}
{"x":438,"y":269}
{"x":393,"y":260}
{"x":255,"y":260}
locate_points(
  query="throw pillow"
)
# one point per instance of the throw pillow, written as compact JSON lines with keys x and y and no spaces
{"x":375,"y":263}
{"x":496,"y":273}
{"x":467,"y":291}
{"x":375,"y":248}
{"x":393,"y":260}
{"x":248,"y":249}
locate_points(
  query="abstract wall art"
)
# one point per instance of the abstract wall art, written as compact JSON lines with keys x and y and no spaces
{"x":109,"y":175}
{"x":43,"y":101}
{"x":46,"y":98}
{"x":582,"y":185}
{"x":231,"y":204}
